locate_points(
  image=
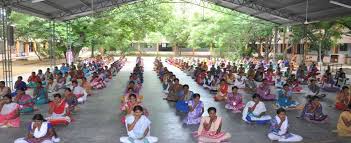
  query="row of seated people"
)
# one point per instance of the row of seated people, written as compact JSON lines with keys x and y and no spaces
{"x":312,"y":111}
{"x":189,"y":102}
{"x":134,"y":113}
{"x":60,"y":109}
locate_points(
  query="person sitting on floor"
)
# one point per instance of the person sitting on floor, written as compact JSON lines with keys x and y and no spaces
{"x":79,"y":92}
{"x":222,"y":91}
{"x":285,"y":98}
{"x":313,"y":111}
{"x":234,"y":101}
{"x":240,"y":80}
{"x":210,"y":128}
{"x":138,"y":128}
{"x":40,"y":94}
{"x":264,"y":91}
{"x":196,"y":109}
{"x":71,"y":100}
{"x":4,"y":90}
{"x":278,"y":130}
{"x":250,"y":85}
{"x":25,"y":101}
{"x":9,"y":113}
{"x":185,"y":97}
{"x":32,"y":80}
{"x":255,"y":111}
{"x":58,"y":111}
{"x":39,"y":131}
{"x":19,"y":84}
{"x":314,"y":90}
{"x":343,"y":98}
{"x":344,"y":123}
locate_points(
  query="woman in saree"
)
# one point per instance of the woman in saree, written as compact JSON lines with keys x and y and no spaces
{"x":259,"y":74}
{"x":264,"y":91}
{"x":255,"y":111}
{"x":344,"y":123}
{"x":210,"y":128}
{"x":343,"y":98}
{"x":39,"y":131}
{"x":234,"y":101}
{"x":32,"y":80}
{"x":174,"y":91}
{"x":9,"y":113}
{"x":185,"y":96}
{"x":279,"y":81}
{"x":250,"y":85}
{"x":329,"y":84}
{"x":222,"y":91}
{"x":278,"y":130}
{"x":60,"y":81}
{"x":240,"y":80}
{"x":138,"y":128}
{"x":48,"y":74}
{"x":40,"y":94}
{"x":71,"y":100}
{"x":59,"y":111}
{"x":79,"y":92}
{"x":314,"y":90}
{"x":269,"y":76}
{"x":87,"y":86}
{"x":19,"y":84}
{"x":128,"y":106}
{"x":285,"y":98}
{"x":200,"y":77}
{"x":196,"y":109}
{"x":313,"y":111}
{"x":25,"y":101}
{"x":231,"y":78}
{"x":97,"y":82}
{"x":4,"y":90}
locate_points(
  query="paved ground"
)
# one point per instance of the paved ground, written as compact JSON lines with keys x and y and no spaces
{"x":98,"y":120}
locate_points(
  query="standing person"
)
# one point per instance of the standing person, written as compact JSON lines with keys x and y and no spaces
{"x":196,"y":109}
{"x":39,"y":131}
{"x":344,"y":123}
{"x":279,"y":128}
{"x":138,"y":128}
{"x":9,"y":113}
{"x":210,"y":128}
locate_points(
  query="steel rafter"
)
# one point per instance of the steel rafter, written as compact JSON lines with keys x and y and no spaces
{"x":99,"y":6}
{"x":259,"y":8}
{"x":54,"y":5}
{"x":87,"y":4}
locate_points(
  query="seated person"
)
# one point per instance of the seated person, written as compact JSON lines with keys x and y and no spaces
{"x":64,"y":68}
{"x":4,"y":90}
{"x":269,"y":76}
{"x":33,"y":80}
{"x":264,"y":91}
{"x":222,"y":91}
{"x":196,"y":109}
{"x":240,"y":81}
{"x":344,"y":122}
{"x":294,"y":84}
{"x":97,"y":82}
{"x":60,"y":81}
{"x":40,"y":94}
{"x":279,"y":129}
{"x":255,"y":111}
{"x":213,"y":85}
{"x":313,"y":111}
{"x":250,"y":85}
{"x":41,"y":75}
{"x":210,"y":128}
{"x":340,"y":77}
{"x":185,"y":96}
{"x":19,"y":84}
{"x":174,"y":91}
{"x":25,"y":101}
{"x":259,"y":74}
{"x":71,"y":100}
{"x":128,"y":106}
{"x":9,"y":113}
{"x":58,"y":111}
{"x":51,"y":87}
{"x":48,"y":74}
{"x":234,"y":101}
{"x":87,"y":86}
{"x":39,"y":131}
{"x":314,"y":90}
{"x":343,"y":98}
{"x":285,"y":98}
{"x":200,"y":77}
{"x":279,"y":81}
{"x":328,"y":83}
{"x":79,"y":92}
{"x":138,"y":128}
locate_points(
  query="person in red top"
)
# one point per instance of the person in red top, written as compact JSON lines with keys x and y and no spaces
{"x":222,"y":91}
{"x":32,"y":80}
{"x":58,"y":111}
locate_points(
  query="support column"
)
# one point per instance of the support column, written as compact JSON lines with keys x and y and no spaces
{"x":17,"y":45}
{"x":275,"y":43}
{"x":7,"y":48}
{"x":26,"y":48}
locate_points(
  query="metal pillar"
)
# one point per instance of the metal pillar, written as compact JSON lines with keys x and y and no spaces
{"x":52,"y":44}
{"x":275,"y":43}
{"x":6,"y":52}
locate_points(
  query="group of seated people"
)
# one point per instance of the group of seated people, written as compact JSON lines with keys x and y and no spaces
{"x":134,"y":113}
{"x":189,"y":102}
{"x":61,"y":105}
{"x":311,"y":111}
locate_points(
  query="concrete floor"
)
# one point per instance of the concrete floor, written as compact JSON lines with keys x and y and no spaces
{"x":98,"y":121}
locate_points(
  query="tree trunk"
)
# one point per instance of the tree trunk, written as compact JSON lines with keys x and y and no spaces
{"x":36,"y":50}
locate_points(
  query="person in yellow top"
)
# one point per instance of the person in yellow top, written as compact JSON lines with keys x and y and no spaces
{"x":344,"y":123}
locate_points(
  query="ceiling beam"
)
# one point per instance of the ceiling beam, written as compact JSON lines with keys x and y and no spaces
{"x":87,"y":4}
{"x":54,"y":5}
{"x":31,"y":10}
{"x":291,"y":5}
{"x":319,"y":11}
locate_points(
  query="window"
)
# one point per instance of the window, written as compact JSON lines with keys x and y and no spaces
{"x":343,"y":47}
